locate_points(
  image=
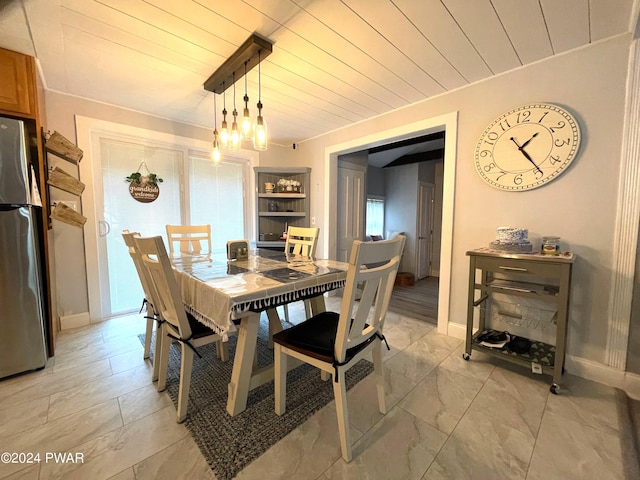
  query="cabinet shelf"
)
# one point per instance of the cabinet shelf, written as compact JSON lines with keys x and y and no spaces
{"x":541,"y":354}
{"x":282,"y":214}
{"x":282,"y":195}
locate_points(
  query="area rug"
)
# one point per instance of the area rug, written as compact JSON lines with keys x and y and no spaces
{"x":231,"y":443}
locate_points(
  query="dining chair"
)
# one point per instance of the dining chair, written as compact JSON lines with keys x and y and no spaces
{"x":301,"y":241}
{"x":334,"y":342}
{"x":178,"y":325}
{"x":151,"y":315}
{"x":191,"y":238}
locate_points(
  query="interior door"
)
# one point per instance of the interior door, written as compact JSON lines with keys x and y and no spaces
{"x":351,"y":209}
{"x":117,"y":210}
{"x":425,"y":229}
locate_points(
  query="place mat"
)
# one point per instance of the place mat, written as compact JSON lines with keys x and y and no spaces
{"x":228,"y":443}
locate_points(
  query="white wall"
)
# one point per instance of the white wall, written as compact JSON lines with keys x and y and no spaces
{"x":580,"y":206}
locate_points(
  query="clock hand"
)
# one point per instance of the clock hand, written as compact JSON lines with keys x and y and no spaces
{"x":516,"y":142}
{"x":526,"y":155}
{"x":527,"y":142}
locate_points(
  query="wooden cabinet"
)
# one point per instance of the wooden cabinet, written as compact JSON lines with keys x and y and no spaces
{"x":523,"y":293}
{"x":286,"y":204}
{"x":18,"y":86}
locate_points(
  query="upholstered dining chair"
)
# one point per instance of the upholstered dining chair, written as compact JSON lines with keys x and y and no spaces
{"x":191,"y":238}
{"x":334,"y":342}
{"x":151,"y":315}
{"x":301,"y":241}
{"x":177,"y":324}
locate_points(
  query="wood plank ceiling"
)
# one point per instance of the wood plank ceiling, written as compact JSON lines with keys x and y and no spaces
{"x":334,"y":62}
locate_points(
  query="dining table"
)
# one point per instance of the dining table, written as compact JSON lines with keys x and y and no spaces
{"x":229,"y":295}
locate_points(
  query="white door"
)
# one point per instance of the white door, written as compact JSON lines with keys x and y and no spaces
{"x":425,"y":229}
{"x":351,"y":208}
{"x":117,"y":210}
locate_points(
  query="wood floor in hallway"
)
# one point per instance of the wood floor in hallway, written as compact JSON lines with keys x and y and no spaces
{"x":418,"y":301}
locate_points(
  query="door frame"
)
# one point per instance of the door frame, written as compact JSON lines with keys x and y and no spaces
{"x":86,"y":129}
{"x":447,"y":122}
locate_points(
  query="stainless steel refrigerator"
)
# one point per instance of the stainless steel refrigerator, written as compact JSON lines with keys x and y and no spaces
{"x":22,"y":307}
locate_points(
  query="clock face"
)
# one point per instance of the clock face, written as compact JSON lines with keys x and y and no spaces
{"x":527,"y":147}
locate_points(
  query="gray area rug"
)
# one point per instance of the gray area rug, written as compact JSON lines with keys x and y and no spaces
{"x":231,"y":443}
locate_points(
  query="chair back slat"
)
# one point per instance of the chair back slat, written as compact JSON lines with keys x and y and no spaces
{"x":190,"y":238}
{"x":169,"y":302}
{"x":302,"y":241}
{"x":129,"y":241}
{"x":373,"y":267}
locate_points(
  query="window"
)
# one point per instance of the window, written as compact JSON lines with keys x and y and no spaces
{"x":375,"y":215}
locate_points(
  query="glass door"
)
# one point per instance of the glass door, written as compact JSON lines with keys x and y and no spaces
{"x":120,"y":288}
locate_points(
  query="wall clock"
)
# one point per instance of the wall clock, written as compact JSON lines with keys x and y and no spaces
{"x":527,"y":147}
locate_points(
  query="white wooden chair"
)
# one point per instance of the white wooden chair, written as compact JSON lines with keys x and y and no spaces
{"x":150,"y":316}
{"x":301,"y":241}
{"x":191,"y":238}
{"x":335,"y":342}
{"x":178,"y":325}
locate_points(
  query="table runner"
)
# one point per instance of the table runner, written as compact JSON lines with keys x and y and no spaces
{"x":217,"y":291}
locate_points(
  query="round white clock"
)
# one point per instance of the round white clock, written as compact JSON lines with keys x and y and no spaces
{"x":527,"y":147}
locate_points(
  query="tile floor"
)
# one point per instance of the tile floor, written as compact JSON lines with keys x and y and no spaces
{"x":447,"y":418}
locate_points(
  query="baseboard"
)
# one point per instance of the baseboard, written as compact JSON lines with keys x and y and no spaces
{"x":457,"y":330}
{"x":632,"y":385}
{"x":74,"y":321}
{"x":581,"y":367}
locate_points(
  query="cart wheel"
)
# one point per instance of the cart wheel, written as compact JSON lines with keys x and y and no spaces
{"x":466,"y":356}
{"x":555,"y":389}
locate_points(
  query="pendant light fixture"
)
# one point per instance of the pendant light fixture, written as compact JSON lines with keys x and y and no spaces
{"x":234,"y":138}
{"x":224,"y":129}
{"x":216,"y":156}
{"x":260,"y":126}
{"x":245,"y":125}
{"x":253,"y":51}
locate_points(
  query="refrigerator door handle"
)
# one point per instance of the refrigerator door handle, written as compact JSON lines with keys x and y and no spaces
{"x":103,"y":232}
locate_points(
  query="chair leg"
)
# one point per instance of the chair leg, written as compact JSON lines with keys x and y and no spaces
{"x":285,"y":307}
{"x":340,"y":394}
{"x":280,"y":379}
{"x":157,"y":353}
{"x":147,"y":334}
{"x":164,"y":360}
{"x":185,"y":382}
{"x":223,"y":350}
{"x":378,"y":372}
{"x":307,"y":309}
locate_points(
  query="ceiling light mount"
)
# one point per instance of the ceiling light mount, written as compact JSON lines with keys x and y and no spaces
{"x":234,"y":67}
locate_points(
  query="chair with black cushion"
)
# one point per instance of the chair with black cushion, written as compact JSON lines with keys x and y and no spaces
{"x":177,"y":324}
{"x":334,"y":342}
{"x":151,"y":315}
{"x":195,"y":239}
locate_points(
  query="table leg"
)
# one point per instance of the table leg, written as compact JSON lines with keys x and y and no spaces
{"x":275,"y":325}
{"x":243,"y":364}
{"x":317,"y":305}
